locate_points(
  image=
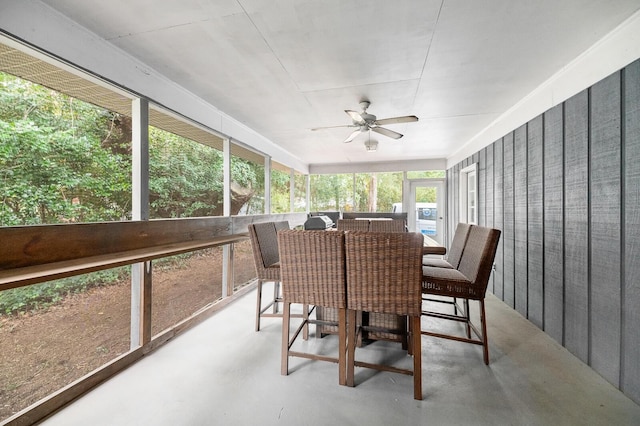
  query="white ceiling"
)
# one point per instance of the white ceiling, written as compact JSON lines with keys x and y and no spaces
{"x":283,"y":67}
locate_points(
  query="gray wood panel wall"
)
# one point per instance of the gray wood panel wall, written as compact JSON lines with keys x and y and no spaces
{"x":564,"y":189}
{"x":605,"y":205}
{"x":576,"y":225}
{"x":489,"y":201}
{"x":630,"y":345}
{"x":534,"y":233}
{"x":498,"y":215}
{"x":520,"y":219}
{"x":553,"y":220}
{"x":508,"y":232}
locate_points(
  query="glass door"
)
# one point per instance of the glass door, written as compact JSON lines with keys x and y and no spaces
{"x":426,"y":208}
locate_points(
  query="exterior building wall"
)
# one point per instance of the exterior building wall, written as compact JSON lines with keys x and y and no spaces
{"x":564,"y":190}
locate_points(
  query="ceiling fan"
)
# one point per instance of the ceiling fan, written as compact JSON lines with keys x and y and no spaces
{"x":365,"y":122}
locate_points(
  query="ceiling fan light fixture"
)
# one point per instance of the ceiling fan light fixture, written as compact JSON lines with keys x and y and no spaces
{"x":371,"y":146}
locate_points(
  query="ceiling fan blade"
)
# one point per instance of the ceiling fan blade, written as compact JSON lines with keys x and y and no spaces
{"x":355,"y":116}
{"x":333,"y":127}
{"x":396,"y":120}
{"x":352,"y":136}
{"x":387,"y":132}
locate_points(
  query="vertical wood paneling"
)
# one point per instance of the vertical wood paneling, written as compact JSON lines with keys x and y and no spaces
{"x":554,"y":223}
{"x":488,"y":204}
{"x":489,"y":187}
{"x":456,"y":196}
{"x":450,"y":206}
{"x":576,"y":230}
{"x":482,"y":186}
{"x":498,"y":215}
{"x":509,"y":225}
{"x":534,"y":223}
{"x":605,"y":228}
{"x":520,"y":220}
{"x":569,"y":190}
{"x":630,"y":382}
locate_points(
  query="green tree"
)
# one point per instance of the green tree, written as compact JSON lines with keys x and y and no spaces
{"x":332,"y":192}
{"x":280,"y":189}
{"x":52,"y":165}
{"x":185,"y":177}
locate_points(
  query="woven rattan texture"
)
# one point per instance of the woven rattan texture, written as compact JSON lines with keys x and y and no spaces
{"x":352,"y":225}
{"x":384,"y":272}
{"x":313,"y":267}
{"x":393,"y":225}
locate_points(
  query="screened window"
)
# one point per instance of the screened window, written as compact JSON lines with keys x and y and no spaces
{"x":62,"y":160}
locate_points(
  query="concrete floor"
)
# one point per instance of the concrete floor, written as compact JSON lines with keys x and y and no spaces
{"x":221,"y":372}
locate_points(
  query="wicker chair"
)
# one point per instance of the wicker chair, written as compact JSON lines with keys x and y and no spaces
{"x":266,"y":258}
{"x":455,"y":250}
{"x":377,"y":321}
{"x":383,"y":276}
{"x":469,"y":282}
{"x":313,"y":273}
{"x":393,"y":225}
{"x":352,"y":225}
{"x":451,"y":262}
{"x":282,"y":225}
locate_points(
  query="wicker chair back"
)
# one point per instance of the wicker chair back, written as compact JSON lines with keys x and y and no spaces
{"x":393,"y":225}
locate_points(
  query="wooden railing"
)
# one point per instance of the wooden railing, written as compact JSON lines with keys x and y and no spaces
{"x":36,"y":254}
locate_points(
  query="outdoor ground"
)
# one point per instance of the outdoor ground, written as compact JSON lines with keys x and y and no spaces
{"x":42,"y":351}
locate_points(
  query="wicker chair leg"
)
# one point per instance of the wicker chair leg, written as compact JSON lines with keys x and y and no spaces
{"x":305,"y":318}
{"x":351,"y":347}
{"x":258,"y":304}
{"x":416,"y":348}
{"x":342,"y":346}
{"x":485,"y":341}
{"x":404,"y":339}
{"x":276,"y":289}
{"x":467,"y":314}
{"x":284,"y":366}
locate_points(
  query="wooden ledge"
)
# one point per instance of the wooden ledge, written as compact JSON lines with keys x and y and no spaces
{"x":35,"y":254}
{"x":19,"y":277}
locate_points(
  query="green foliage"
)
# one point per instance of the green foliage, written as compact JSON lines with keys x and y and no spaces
{"x":185,"y":177}
{"x":63,"y":160}
{"x":52,"y":166}
{"x":332,"y":192}
{"x":336,"y":192}
{"x":280,"y":188}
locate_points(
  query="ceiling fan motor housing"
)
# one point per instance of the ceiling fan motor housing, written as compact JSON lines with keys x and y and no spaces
{"x":368,"y":118}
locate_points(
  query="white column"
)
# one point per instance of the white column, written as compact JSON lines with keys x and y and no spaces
{"x":140,"y":272}
{"x":227,"y":249}
{"x":292,"y":189}
{"x":308,"y":195}
{"x":267,"y":185}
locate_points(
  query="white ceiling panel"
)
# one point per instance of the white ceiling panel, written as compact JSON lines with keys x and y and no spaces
{"x":282,"y":67}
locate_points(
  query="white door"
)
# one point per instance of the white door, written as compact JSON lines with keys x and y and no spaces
{"x":426,"y":208}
